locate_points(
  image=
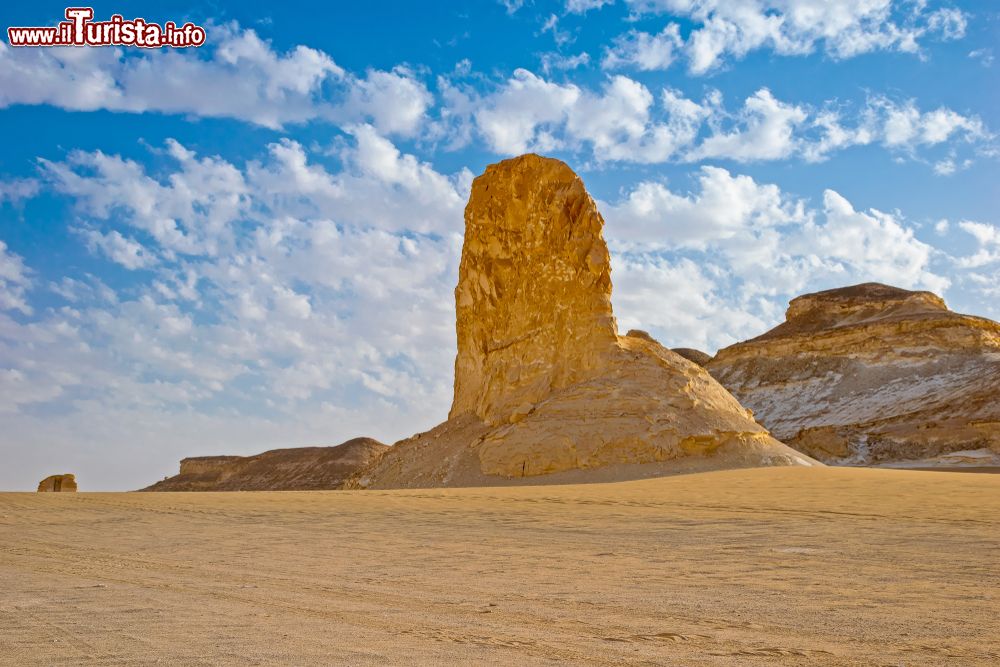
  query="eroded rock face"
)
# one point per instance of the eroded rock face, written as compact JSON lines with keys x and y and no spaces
{"x":293,"y":469}
{"x":871,"y":374}
{"x":544,"y":385}
{"x":533,"y":302}
{"x":58,"y":483}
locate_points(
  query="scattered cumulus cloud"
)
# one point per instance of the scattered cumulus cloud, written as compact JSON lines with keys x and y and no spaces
{"x":984,"y":56}
{"x":240,"y":76}
{"x":14,"y":282}
{"x":584,"y":6}
{"x":559,"y":36}
{"x":718,"y":263}
{"x":987,"y":237}
{"x":727,"y":30}
{"x":558,"y":62}
{"x":651,"y":215}
{"x":512,"y":5}
{"x":119,"y":249}
{"x":275,"y":287}
{"x":766,"y":131}
{"x":14,"y":190}
{"x":643,"y":51}
{"x":624,"y":120}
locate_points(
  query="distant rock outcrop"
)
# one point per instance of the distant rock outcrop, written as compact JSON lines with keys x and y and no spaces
{"x":871,"y":374}
{"x":543,"y":382}
{"x":58,"y":483}
{"x":295,"y":469}
{"x":691,"y":354}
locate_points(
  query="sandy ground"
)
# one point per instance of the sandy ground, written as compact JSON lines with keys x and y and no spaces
{"x":787,"y":566}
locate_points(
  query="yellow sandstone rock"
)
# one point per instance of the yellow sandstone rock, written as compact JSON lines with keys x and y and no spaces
{"x":544,"y":385}
{"x":58,"y":483}
{"x":292,"y":469}
{"x":872,"y":374}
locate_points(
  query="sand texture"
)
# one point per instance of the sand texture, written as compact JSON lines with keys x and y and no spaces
{"x":769,"y":566}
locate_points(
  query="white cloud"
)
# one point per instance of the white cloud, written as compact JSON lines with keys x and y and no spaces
{"x":510,"y":118}
{"x":280,"y":289}
{"x":877,"y":243}
{"x":987,"y":238}
{"x":948,"y":166}
{"x":730,"y":29}
{"x":191,"y":214}
{"x":613,"y":122}
{"x":972,"y":259}
{"x":766,"y":132}
{"x":512,"y":5}
{"x":529,"y":113}
{"x":984,"y":56}
{"x":652,"y":216}
{"x":644,"y":51}
{"x":556,"y":61}
{"x":561,"y":37}
{"x":240,"y":77}
{"x":899,"y":127}
{"x":905,"y":126}
{"x":15,"y":190}
{"x":584,"y":6}
{"x":623,"y":120}
{"x":396,"y":102}
{"x":14,"y":282}
{"x":680,"y":302}
{"x":950,"y":22}
{"x":119,"y":249}
{"x":711,"y":266}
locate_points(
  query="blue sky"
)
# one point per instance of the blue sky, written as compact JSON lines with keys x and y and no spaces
{"x":254,"y":244}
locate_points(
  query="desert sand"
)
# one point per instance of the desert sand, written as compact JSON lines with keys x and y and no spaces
{"x":790,"y":566}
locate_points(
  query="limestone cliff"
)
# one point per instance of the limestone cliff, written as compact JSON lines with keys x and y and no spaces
{"x":294,"y":469}
{"x":544,"y":385}
{"x":871,"y":374}
{"x":57,"y":483}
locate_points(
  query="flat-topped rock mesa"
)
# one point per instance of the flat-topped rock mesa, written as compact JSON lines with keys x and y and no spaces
{"x":293,"y":469}
{"x":58,"y":483}
{"x":871,"y":374}
{"x":544,"y":385}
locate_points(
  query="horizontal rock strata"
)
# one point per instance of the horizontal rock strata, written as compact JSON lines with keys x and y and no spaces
{"x":871,"y":374}
{"x":293,"y":469}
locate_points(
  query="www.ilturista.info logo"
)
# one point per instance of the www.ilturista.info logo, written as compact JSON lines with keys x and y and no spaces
{"x":80,"y":30}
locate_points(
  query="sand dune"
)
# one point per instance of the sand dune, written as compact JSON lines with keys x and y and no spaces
{"x":790,"y":566}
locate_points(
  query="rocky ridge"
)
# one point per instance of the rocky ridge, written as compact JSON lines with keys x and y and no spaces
{"x":545,"y":388}
{"x":872,"y":374}
{"x":293,"y":469}
{"x":691,"y":354}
